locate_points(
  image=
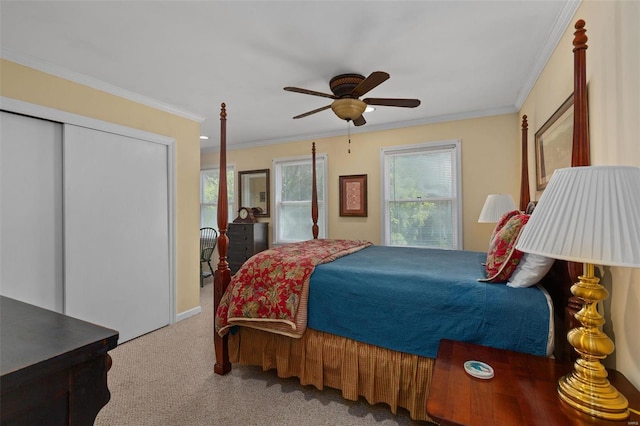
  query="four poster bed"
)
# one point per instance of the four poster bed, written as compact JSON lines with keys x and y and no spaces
{"x":368,"y":319}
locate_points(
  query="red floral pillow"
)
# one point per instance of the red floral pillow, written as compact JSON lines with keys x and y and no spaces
{"x":502,"y":222}
{"x":503,"y":257}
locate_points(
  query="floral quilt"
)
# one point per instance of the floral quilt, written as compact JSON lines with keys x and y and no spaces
{"x":270,"y":290}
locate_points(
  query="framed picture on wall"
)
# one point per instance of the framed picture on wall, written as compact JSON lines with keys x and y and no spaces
{"x":353,"y":195}
{"x":554,"y":142}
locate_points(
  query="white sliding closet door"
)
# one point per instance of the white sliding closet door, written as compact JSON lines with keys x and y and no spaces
{"x":116,"y":231}
{"x":31,"y":250}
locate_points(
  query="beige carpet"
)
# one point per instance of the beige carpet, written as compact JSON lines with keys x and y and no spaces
{"x":166,"y":378}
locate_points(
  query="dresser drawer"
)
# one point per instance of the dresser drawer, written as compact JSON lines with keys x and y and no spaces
{"x":240,"y":253}
{"x":241,"y":234}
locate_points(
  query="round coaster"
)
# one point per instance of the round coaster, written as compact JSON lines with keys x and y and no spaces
{"x":478,"y":369}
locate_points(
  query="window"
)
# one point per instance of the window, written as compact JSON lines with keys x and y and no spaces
{"x":293,"y":180}
{"x":209,"y":179}
{"x":422,"y":197}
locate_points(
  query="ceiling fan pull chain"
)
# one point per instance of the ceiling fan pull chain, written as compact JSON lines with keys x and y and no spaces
{"x":349,"y":136}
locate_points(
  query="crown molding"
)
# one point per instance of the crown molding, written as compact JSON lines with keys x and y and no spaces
{"x":94,"y":83}
{"x":561,"y":25}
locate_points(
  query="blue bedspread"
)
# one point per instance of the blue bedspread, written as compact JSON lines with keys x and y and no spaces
{"x":408,"y":299}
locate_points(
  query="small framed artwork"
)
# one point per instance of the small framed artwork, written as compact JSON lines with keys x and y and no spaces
{"x":353,"y":195}
{"x":554,"y":143}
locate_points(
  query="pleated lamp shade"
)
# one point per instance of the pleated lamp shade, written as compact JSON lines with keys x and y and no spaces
{"x":495,"y":206}
{"x":588,"y":215}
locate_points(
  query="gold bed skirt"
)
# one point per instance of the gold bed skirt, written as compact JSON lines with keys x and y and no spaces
{"x":358,"y":369}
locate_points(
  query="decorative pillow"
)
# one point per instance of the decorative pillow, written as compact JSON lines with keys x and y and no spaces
{"x":503,"y":221}
{"x":503,"y":257}
{"x":530,"y":270}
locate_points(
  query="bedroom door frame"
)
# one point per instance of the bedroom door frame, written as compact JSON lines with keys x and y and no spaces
{"x":38,"y":111}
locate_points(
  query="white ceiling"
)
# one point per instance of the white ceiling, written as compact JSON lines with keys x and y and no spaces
{"x":460,"y":58}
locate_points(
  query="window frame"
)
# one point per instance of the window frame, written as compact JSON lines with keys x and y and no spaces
{"x":277,"y":163}
{"x":387,"y":152}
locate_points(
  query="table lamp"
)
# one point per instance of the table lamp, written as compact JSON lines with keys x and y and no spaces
{"x":495,"y":206}
{"x":589,"y":215}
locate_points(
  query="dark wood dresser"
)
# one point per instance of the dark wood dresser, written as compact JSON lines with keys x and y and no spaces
{"x":54,"y":367}
{"x":245,"y":240}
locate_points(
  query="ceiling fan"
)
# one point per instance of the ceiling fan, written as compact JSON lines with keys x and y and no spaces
{"x":347,"y":88}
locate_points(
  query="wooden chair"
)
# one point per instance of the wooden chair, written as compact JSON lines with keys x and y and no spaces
{"x":208,"y":241}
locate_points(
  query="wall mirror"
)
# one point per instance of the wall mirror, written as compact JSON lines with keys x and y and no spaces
{"x":253,"y":191}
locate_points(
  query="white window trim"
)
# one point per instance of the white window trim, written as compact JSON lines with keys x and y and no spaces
{"x":277,"y":196}
{"x":405,"y":149}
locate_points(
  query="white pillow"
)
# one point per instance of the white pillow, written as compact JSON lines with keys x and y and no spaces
{"x":530,"y":270}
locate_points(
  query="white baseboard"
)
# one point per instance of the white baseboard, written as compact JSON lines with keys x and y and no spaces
{"x":186,"y":314}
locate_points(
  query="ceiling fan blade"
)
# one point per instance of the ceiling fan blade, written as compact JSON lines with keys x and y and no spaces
{"x":405,"y":103}
{"x":312,"y":112}
{"x":309,"y":92}
{"x":360,"y":121}
{"x":374,"y":79}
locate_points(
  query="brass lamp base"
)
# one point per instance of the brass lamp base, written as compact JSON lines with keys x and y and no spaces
{"x":586,"y":388}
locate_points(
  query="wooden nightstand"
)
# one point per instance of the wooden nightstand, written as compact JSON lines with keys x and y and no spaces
{"x":522,"y":392}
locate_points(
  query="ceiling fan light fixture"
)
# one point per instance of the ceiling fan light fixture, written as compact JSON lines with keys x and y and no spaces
{"x":348,"y":109}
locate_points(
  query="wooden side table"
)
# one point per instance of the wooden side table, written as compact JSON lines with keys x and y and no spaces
{"x":522,"y":391}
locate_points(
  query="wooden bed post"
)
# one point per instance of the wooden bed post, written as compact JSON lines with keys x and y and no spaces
{"x":314,"y":193}
{"x":222,"y":275}
{"x":524,"y":177}
{"x":580,"y":147}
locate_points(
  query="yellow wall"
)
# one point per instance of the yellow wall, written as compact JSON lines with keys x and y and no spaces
{"x":35,"y":87}
{"x":490,"y":164}
{"x":613,"y":67}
